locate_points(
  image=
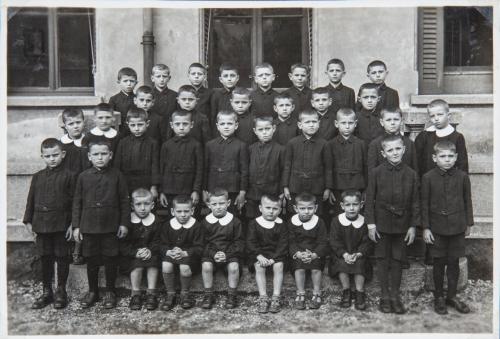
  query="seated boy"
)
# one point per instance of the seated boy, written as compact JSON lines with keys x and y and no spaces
{"x":392,"y":213}
{"x":342,"y":96}
{"x":221,"y":97}
{"x":103,"y":130}
{"x":368,"y":127}
{"x":263,"y":96}
{"x":321,"y":102}
{"x":101,"y":212}
{"x":48,"y":214}
{"x":144,"y":100}
{"x":224,"y":246}
{"x":240,"y":103}
{"x":124,"y":100}
{"x":446,"y":218}
{"x":299,"y":92}
{"x":197,"y":74}
{"x":377,"y":72}
{"x":267,"y":248}
{"x":164,"y":98}
{"x":286,"y":122}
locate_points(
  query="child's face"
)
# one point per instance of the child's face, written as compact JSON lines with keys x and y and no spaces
{"x":144,"y":101}
{"x":321,"y":102}
{"x":445,"y":159}
{"x":369,"y":98}
{"x":187,"y":100}
{"x":160,"y":79}
{"x":308,"y":124}
{"x":240,"y":103}
{"x":226,"y":125}
{"x":284,"y":108}
{"x":298,"y":77}
{"x":346,"y":124}
{"x":270,"y":209}
{"x":142,"y":206}
{"x":264,"y":130}
{"x":377,"y":74}
{"x":182,"y":212}
{"x":439,"y":116}
{"x":181,"y":125}
{"x":264,"y":77}
{"x":127,"y":83}
{"x":351,"y":206}
{"x":137,"y":126}
{"x":335,"y":73}
{"x":391,"y":122}
{"x":393,"y":151}
{"x":219,"y":205}
{"x":100,"y":156}
{"x":229,"y":78}
{"x":53,"y":156}
{"x":305,"y":210}
{"x":196,"y":76}
{"x":104,"y":120}
{"x":74,"y":126}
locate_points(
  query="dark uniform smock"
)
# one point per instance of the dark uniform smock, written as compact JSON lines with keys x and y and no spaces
{"x":285,"y":130}
{"x":389,"y":97}
{"x":203,"y":105}
{"x":122,"y":102}
{"x":224,"y":234}
{"x":188,"y":237}
{"x":311,"y":235}
{"x":142,"y":233}
{"x":263,"y":102}
{"x":368,"y":127}
{"x":301,"y":99}
{"x":245,"y":128}
{"x":375,"y":157}
{"x":220,"y":101}
{"x":342,"y":96}
{"x":327,"y":129}
{"x":165,"y":102}
{"x":157,"y":127}
{"x":76,"y":158}
{"x":267,"y":238}
{"x":200,"y":131}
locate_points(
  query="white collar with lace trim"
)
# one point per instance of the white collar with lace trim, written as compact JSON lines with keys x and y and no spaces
{"x":443,"y":132}
{"x":65,"y":139}
{"x":355,"y":223}
{"x":223,"y":221}
{"x":266,"y":223}
{"x":308,"y":225}
{"x":110,"y":133}
{"x":147,"y":221}
{"x":176,"y":225}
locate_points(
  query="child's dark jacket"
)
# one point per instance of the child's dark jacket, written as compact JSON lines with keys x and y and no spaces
{"x":267,"y":238}
{"x":389,"y":98}
{"x":349,"y":236}
{"x":220,"y":101}
{"x":285,"y":130}
{"x":200,"y":131}
{"x":265,"y":168}
{"x":188,"y":237}
{"x":342,"y":96}
{"x":368,"y":127}
{"x":311,"y":235}
{"x":203,"y":105}
{"x":327,"y":129}
{"x":165,"y":102}
{"x":263,"y":102}
{"x":375,"y":157}
{"x":348,"y":161}
{"x":245,"y":128}
{"x":141,"y":234}
{"x":76,"y":159}
{"x":122,"y":102}
{"x":224,"y":234}
{"x":301,"y":99}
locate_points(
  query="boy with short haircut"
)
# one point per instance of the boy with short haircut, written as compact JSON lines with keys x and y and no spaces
{"x":103,"y":130}
{"x":308,"y":247}
{"x":440,"y":130}
{"x":342,"y":96}
{"x":267,"y":248}
{"x":164,"y":98}
{"x":377,"y":72}
{"x":181,"y":162}
{"x":124,"y":100}
{"x":100,"y":217}
{"x":144,"y":100}
{"x":300,"y":92}
{"x":181,"y":245}
{"x":226,"y":161}
{"x":137,"y":155}
{"x":392,"y":213}
{"x":224,"y":246}
{"x":321,"y":102}
{"x":221,"y":98}
{"x":368,"y":112}
{"x":263,"y":96}
{"x":240,"y":103}
{"x":286,"y":122}
{"x":446,"y":218}
{"x":391,"y":121}
{"x":197,"y":74}
{"x":48,"y":214}
{"x":266,"y":162}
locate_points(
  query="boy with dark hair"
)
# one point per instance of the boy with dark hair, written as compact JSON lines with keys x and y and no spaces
{"x":263,"y":96}
{"x":197,"y":74}
{"x":299,"y":92}
{"x":164,"y":98}
{"x":286,"y":122}
{"x":221,"y":98}
{"x":342,"y":96}
{"x":377,"y":72}
{"x":103,"y":130}
{"x":321,"y":102}
{"x":144,"y":100}
{"x":368,"y":112}
{"x":241,"y":102}
{"x":124,"y":100}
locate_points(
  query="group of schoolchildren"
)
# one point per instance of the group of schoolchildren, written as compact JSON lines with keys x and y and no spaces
{"x":213,"y":179}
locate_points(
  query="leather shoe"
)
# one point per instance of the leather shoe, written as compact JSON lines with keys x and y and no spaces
{"x":45,"y":299}
{"x":89,"y":299}
{"x":440,"y":305}
{"x":60,"y":298}
{"x":187,"y":300}
{"x":168,"y":303}
{"x":135,"y":303}
{"x":208,"y":301}
{"x":109,"y":300}
{"x":151,"y":302}
{"x":346,"y":298}
{"x":360,"y":302}
{"x":232,"y":301}
{"x":385,"y":306}
{"x":397,"y":306}
{"x":457,"y":304}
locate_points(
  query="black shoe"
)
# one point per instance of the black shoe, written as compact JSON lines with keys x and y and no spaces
{"x":300,"y":302}
{"x":232,"y":301}
{"x":385,"y":306}
{"x":78,"y":259}
{"x":440,"y":305}
{"x":208,"y":301}
{"x":45,"y":299}
{"x":275,"y":305}
{"x":457,"y":304}
{"x":360,"y":302}
{"x":345,"y":302}
{"x":397,"y":306}
{"x":187,"y":300}
{"x":109,"y":300}
{"x":89,"y":299}
{"x":168,"y":303}
{"x":151,"y":302}
{"x":315,"y":302}
{"x":135,"y":302}
{"x":60,"y":298}
{"x":263,"y":305}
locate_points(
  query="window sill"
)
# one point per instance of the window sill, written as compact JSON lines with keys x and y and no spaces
{"x":73,"y":100}
{"x":454,"y":99}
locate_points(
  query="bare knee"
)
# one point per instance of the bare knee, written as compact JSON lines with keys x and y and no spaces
{"x":185,"y":271}
{"x":233,"y":268}
{"x":258,"y":268}
{"x":167,"y":267}
{"x":207,"y":267}
{"x":278,"y":267}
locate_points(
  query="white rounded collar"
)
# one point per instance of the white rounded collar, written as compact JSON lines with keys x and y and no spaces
{"x":223,"y":221}
{"x":266,"y":223}
{"x":355,"y":223}
{"x":176,"y":225}
{"x":147,"y":221}
{"x":110,"y":133}
{"x":65,"y":139}
{"x":308,"y":225}
{"x":443,"y":132}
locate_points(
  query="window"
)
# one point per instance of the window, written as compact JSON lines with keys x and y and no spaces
{"x":246,"y":37}
{"x":50,"y":50}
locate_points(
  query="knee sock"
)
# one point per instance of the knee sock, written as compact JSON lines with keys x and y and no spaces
{"x":185,"y":283}
{"x":47,"y":271}
{"x":93,"y":264}
{"x":62,"y":271}
{"x":382,"y":273}
{"x":438,"y":275}
{"x":452,"y":273}
{"x":396,"y":273}
{"x":168,"y":278}
{"x":111,"y":271}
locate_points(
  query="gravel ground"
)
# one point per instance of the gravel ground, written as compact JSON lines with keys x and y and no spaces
{"x":330,"y":318}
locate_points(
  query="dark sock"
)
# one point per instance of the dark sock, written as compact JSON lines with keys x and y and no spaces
{"x":111,"y":271}
{"x":231,"y":291}
{"x":93,"y":273}
{"x":452,"y":273}
{"x":209,"y":290}
{"x":78,"y":248}
{"x":152,"y":291}
{"x":47,"y":270}
{"x":438,"y":275}
{"x":396,"y":272}
{"x":62,"y":271}
{"x":168,"y":278}
{"x":136,"y":292}
{"x":382,"y":273}
{"x":185,"y":283}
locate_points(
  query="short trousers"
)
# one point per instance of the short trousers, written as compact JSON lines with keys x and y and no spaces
{"x":53,"y":243}
{"x":106,"y":244}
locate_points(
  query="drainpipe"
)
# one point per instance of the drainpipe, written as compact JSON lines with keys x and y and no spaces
{"x":148,"y":43}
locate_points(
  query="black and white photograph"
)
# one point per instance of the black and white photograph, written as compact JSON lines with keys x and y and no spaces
{"x":249,"y":167}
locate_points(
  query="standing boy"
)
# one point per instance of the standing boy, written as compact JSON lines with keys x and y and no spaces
{"x":286,"y":122}
{"x":240,"y":102}
{"x":75,"y":159}
{"x":164,"y":97}
{"x":368,"y":112}
{"x":321,"y":102}
{"x":263,"y":96}
{"x":299,"y":92}
{"x":377,"y":72}
{"x":103,"y":130}
{"x":145,"y":100}
{"x":124,"y":100}
{"x":197,"y":74}
{"x":221,"y":98}
{"x":342,"y":96}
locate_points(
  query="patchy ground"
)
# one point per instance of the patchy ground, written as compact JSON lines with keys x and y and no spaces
{"x":329,"y":318}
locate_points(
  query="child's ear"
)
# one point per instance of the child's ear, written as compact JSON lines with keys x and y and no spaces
{"x":228,"y":202}
{"x":342,"y":205}
{"x":236,"y":126}
{"x":260,"y":208}
{"x":254,"y":131}
{"x":110,"y":155}
{"x":275,"y":108}
{"x":336,"y":123}
{"x":171,"y":124}
{"x":295,"y":209}
{"x":192,"y":124}
{"x":434,"y":158}
{"x":383,"y":154}
{"x":290,"y":76}
{"x":381,"y":122}
{"x":330,"y":101}
{"x":172,"y":211}
{"x":147,"y":123}
{"x":63,"y":153}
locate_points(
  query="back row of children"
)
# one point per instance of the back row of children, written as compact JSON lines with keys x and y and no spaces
{"x":238,"y":175}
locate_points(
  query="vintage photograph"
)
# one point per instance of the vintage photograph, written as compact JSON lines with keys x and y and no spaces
{"x":249,"y":167}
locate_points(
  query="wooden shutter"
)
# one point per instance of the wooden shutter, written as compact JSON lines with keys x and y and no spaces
{"x":431,"y":45}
